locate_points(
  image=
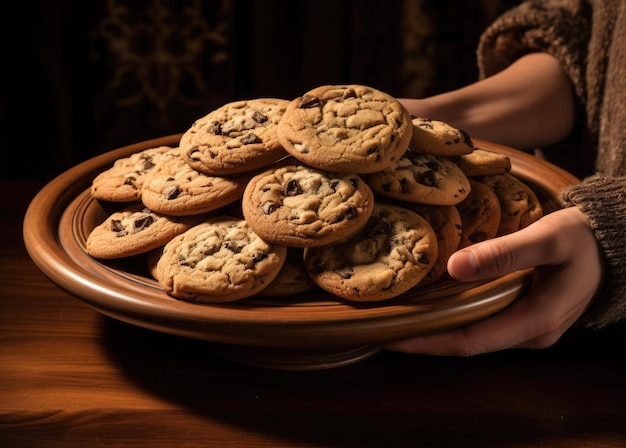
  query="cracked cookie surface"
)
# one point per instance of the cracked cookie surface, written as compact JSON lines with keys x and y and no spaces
{"x":300,"y":206}
{"x":391,"y":254}
{"x":124,"y":180}
{"x":237,"y":137}
{"x":346,"y":128}
{"x":423,"y":179}
{"x":173,"y":187}
{"x":218,"y":260}
{"x":135,"y":230}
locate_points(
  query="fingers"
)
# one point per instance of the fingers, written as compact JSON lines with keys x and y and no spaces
{"x":567,"y":275}
{"x":537,"y":321}
{"x":532,"y":246}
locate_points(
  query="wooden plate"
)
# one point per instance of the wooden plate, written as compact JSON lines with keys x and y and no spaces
{"x":311,"y":331}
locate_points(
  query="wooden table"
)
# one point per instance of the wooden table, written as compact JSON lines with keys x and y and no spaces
{"x":70,"y":377}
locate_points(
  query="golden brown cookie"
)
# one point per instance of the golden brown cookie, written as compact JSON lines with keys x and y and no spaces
{"x":391,"y":254}
{"x":292,"y":278}
{"x":439,"y":138}
{"x":480,"y":215}
{"x":423,"y":179}
{"x":135,"y":230}
{"x":124,"y":180}
{"x":173,"y":187}
{"x":520,"y":206}
{"x":446,"y":222}
{"x":346,"y":129}
{"x":483,"y":162}
{"x":299,"y":206}
{"x":237,"y":137}
{"x":218,"y":260}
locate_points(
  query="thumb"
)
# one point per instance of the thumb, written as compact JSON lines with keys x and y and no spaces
{"x":499,"y":256}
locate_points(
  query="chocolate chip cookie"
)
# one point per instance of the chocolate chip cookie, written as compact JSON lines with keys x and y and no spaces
{"x":135,"y":230}
{"x":292,"y":278}
{"x":237,"y":137}
{"x":219,"y":260}
{"x":124,"y":180}
{"x":447,"y":225}
{"x":422,"y":178}
{"x":173,"y":187}
{"x":300,"y":206}
{"x":480,"y":215}
{"x":439,"y":138}
{"x":483,"y":162}
{"x":520,"y":206}
{"x":391,"y":254}
{"x":346,"y":129}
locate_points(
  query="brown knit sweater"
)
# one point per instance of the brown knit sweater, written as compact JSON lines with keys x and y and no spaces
{"x":589,"y":39}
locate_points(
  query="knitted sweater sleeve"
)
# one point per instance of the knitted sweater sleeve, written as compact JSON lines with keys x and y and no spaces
{"x":563,"y":28}
{"x":608,"y":221}
{"x":560,"y":28}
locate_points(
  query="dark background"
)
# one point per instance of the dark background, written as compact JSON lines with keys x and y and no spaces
{"x":84,"y":77}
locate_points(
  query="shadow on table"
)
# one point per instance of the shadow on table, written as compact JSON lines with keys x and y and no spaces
{"x":510,"y":398}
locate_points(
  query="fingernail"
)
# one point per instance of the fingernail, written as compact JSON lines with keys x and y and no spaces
{"x":464,"y":264}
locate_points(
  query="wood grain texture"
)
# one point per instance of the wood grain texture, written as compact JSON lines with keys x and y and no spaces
{"x":70,"y":377}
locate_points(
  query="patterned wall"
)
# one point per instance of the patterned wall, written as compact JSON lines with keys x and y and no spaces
{"x":112,"y":72}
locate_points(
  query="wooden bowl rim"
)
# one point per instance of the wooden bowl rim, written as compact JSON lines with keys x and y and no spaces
{"x":55,"y":241}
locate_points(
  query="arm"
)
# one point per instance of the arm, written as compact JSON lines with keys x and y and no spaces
{"x":528,"y":104}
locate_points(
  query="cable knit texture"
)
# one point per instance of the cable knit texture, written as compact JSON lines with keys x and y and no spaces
{"x":608,"y":221}
{"x":588,"y":38}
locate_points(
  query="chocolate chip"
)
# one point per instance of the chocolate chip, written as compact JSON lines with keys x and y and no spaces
{"x":143,"y":222}
{"x":259,"y":117}
{"x":148,"y":164}
{"x":426,"y":124}
{"x":171,"y":192}
{"x":423,"y":259}
{"x":318,"y":266}
{"x":269,"y":208}
{"x":215,"y":128}
{"x":432,"y":165}
{"x":116,"y":226}
{"x":250,"y":138}
{"x":130,"y":180}
{"x":292,"y":188}
{"x":380,"y":227}
{"x":345,"y":272}
{"x":308,"y":102}
{"x":351,"y":212}
{"x":259,"y":256}
{"x":466,"y":138}
{"x":404,"y":185}
{"x":427,"y":178}
{"x":191,"y":154}
{"x":232,"y":246}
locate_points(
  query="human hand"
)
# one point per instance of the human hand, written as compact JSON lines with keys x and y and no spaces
{"x":568,"y":272}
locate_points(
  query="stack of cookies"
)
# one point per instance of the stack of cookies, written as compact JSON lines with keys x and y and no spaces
{"x":339,"y":190}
